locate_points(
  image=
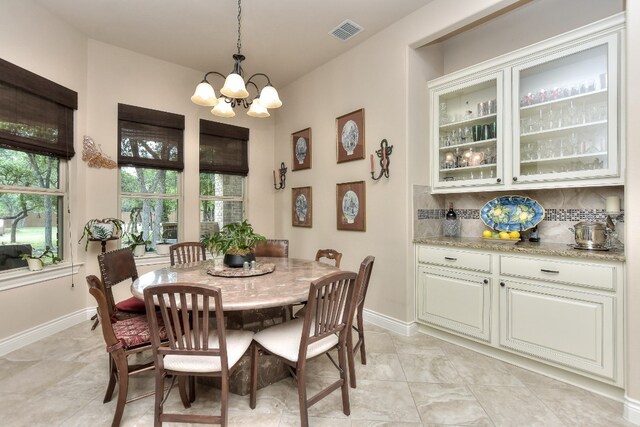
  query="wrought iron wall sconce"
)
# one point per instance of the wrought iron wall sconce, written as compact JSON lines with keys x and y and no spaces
{"x":384,"y":153}
{"x":283,"y":176}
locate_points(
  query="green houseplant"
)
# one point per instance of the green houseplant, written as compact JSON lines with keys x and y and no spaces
{"x":138,"y":244}
{"x":101,"y":229}
{"x":236,"y":241}
{"x":36,"y":262}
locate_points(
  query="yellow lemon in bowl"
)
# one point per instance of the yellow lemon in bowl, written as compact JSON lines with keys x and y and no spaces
{"x":514,"y":235}
{"x":504,"y":235}
{"x":486,"y":233}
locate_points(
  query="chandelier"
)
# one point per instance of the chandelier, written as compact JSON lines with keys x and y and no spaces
{"x":234,"y":92}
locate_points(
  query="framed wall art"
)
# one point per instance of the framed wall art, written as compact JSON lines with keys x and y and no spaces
{"x":350,"y":136}
{"x":351,"y":206}
{"x":301,"y":207}
{"x":301,"y":149}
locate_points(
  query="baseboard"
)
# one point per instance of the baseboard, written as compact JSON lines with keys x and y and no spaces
{"x":389,"y":323}
{"x":14,"y":342}
{"x":632,"y":410}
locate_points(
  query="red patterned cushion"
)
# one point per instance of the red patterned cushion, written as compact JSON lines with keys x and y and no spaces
{"x":131,"y":305}
{"x":134,"y":331}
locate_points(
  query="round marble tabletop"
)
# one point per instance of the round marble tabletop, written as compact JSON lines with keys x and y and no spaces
{"x":288,"y":284}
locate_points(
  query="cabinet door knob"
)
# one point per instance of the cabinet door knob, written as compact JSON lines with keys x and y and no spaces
{"x":515,"y":178}
{"x":499,"y":180}
{"x":502,"y":284}
{"x":485,"y":281}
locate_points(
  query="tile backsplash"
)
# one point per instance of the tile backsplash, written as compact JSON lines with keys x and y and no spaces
{"x":563,"y":209}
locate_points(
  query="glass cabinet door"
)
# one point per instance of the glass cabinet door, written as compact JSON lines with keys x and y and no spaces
{"x":467,"y":132}
{"x":565,"y":114}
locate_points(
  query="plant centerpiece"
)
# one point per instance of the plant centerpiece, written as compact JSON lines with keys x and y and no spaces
{"x":36,"y":262}
{"x":101,"y":229}
{"x":138,"y":244}
{"x":236,"y":241}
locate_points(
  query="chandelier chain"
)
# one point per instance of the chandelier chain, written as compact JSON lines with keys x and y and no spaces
{"x":239,"y":44}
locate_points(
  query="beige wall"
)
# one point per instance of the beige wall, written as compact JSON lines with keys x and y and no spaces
{"x":632,"y":204}
{"x":33,"y":39}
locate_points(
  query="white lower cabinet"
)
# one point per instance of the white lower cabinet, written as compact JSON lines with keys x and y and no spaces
{"x":563,"y":311}
{"x":457,"y":301}
{"x":566,"y":326}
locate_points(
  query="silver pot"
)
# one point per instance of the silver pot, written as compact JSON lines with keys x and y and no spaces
{"x":591,"y":235}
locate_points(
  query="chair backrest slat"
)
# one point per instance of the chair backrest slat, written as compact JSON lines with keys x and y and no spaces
{"x":364,"y":274}
{"x":186,"y":310}
{"x":187,"y":252}
{"x":330,"y":308}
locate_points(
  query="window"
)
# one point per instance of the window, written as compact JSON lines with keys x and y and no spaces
{"x":36,"y":140}
{"x":224,"y":166}
{"x":150,"y":162}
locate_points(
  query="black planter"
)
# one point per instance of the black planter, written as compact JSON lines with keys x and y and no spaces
{"x":231,"y":260}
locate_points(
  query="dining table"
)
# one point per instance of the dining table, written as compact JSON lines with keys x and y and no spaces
{"x":252,"y":299}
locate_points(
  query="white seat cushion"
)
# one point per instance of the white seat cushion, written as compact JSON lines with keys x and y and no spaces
{"x":284,"y":340}
{"x":237,"y":344}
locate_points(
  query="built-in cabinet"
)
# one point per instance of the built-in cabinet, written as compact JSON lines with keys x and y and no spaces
{"x":543,"y":116}
{"x":565,"y":312}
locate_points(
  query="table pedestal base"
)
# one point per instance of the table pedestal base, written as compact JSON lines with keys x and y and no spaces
{"x":271,"y":369}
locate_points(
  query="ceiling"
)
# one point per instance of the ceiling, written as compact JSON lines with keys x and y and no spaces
{"x":283,"y":38}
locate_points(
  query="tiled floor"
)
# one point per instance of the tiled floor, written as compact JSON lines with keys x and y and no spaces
{"x":408,"y":381}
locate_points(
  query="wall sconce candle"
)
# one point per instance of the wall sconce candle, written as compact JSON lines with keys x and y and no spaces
{"x":383,"y":154}
{"x":283,"y":177}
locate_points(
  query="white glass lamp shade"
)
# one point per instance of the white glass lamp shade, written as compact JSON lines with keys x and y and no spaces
{"x":204,"y":95}
{"x":269,"y":97}
{"x":257,"y":109}
{"x":234,"y":87}
{"x":223,"y":109}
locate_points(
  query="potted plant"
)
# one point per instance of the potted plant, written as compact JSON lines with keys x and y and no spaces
{"x":36,"y":262}
{"x":236,"y":241}
{"x":138,"y":244}
{"x":101,"y":229}
{"x":162,"y":247}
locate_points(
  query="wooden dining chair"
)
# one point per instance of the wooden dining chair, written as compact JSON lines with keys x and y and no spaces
{"x":278,"y":248}
{"x":123,"y":338}
{"x":330,"y":254}
{"x":116,"y":267}
{"x":364,"y":274}
{"x":325,"y":326}
{"x":182,"y":253}
{"x":193,"y":348}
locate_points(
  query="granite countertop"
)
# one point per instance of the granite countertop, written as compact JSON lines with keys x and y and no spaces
{"x":542,"y":248}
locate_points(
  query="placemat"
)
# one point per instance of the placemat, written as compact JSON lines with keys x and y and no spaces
{"x":261,"y":268}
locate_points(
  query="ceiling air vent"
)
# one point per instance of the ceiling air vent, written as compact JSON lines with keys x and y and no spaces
{"x":346,"y":30}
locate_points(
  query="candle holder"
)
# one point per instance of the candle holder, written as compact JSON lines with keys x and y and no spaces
{"x":384,"y":153}
{"x":283,"y":176}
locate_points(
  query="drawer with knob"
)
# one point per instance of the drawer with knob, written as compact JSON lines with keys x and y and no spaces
{"x":456,"y":258}
{"x":570,"y":272}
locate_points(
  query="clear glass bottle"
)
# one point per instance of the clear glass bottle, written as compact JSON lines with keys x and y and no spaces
{"x":451,"y":225}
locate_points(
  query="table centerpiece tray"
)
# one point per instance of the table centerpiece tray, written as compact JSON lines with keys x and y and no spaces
{"x":259,"y":270}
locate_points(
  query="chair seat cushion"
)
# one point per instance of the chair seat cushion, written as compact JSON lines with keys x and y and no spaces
{"x":131,"y":305}
{"x":134,"y":331}
{"x":237,"y":344}
{"x":284,"y":340}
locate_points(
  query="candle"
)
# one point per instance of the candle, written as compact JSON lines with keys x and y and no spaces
{"x":384,"y":157}
{"x":372,"y":163}
{"x":274,"y":178}
{"x":613,"y":204}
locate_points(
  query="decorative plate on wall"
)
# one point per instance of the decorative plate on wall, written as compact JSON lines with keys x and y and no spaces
{"x":512,"y":213}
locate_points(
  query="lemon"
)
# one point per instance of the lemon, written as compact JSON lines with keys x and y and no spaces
{"x":486,"y":233}
{"x":514,"y":235}
{"x":504,"y":235}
